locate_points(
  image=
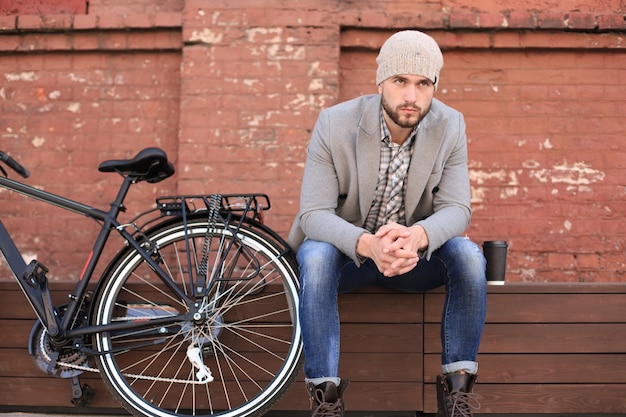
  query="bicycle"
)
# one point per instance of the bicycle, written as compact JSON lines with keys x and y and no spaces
{"x":197,"y":315}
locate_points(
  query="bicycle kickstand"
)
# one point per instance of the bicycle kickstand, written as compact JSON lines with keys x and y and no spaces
{"x":82,"y":395}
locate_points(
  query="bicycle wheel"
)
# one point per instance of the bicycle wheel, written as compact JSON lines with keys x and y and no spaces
{"x":248,"y":341}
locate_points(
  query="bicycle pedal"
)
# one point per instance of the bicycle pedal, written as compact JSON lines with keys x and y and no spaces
{"x":82,"y":395}
{"x":35,"y":274}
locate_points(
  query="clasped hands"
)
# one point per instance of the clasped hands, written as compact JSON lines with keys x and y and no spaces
{"x":393,"y":247}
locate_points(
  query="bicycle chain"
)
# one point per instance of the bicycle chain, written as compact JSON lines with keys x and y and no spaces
{"x":48,"y":359}
{"x":135,"y":376}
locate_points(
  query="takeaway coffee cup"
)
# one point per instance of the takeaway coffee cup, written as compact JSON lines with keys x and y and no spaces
{"x":495,"y":253}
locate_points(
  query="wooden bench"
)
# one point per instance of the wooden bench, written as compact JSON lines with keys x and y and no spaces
{"x":547,"y":348}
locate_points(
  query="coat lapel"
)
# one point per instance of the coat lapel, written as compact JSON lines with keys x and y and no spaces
{"x":427,"y":145}
{"x":368,"y":155}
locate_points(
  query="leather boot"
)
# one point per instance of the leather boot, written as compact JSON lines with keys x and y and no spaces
{"x":454,"y":395}
{"x":326,"y":398}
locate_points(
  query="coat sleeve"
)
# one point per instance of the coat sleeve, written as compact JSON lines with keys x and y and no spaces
{"x":451,"y":201}
{"x":319,"y":198}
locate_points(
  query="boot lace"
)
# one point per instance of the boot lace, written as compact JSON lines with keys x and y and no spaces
{"x":463,"y":403}
{"x":326,"y":409}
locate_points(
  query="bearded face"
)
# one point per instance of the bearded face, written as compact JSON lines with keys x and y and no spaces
{"x":406,"y":99}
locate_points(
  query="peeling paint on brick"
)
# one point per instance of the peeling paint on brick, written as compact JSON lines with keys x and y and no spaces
{"x":546,"y":144}
{"x":576,"y":174}
{"x":28,"y":76}
{"x":250,"y":83}
{"x":73,"y":107}
{"x":313,"y":101}
{"x":528,"y":274}
{"x":316,"y":84}
{"x":38,"y":142}
{"x":480,"y":177}
{"x":206,"y":36}
{"x":286,"y":52}
{"x":268,"y":35}
{"x":77,"y":79}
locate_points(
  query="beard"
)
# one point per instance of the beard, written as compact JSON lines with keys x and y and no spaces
{"x":401,"y":120}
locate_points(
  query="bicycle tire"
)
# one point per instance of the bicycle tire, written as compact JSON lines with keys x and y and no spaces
{"x":250,"y":342}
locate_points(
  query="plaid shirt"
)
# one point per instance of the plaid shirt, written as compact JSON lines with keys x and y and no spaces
{"x":388,"y":203}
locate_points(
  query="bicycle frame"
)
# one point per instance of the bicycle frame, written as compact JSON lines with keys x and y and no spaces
{"x":33,"y":283}
{"x":200,"y":283}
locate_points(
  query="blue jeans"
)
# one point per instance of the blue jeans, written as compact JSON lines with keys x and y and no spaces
{"x":325,"y":272}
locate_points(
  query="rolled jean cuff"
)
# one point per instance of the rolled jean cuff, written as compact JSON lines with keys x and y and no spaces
{"x":321,"y":380}
{"x":467,"y":366}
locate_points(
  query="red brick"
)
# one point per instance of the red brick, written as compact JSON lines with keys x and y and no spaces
{"x":432,"y":20}
{"x":551,"y":21}
{"x":10,"y":43}
{"x":114,"y":41}
{"x":612,"y":21}
{"x":88,"y":21}
{"x":25,"y":22}
{"x":168,"y":19}
{"x":8,"y":23}
{"x":318,"y":18}
{"x":584,"y":21}
{"x":561,"y":261}
{"x":468,"y":40}
{"x":463,"y":20}
{"x":111,"y":21}
{"x":350,"y":18}
{"x":491,"y":20}
{"x":57,"y":42}
{"x":507,"y":39}
{"x":139,"y":20}
{"x":57,"y":21}
{"x":85,"y":41}
{"x":521,"y":20}
{"x":33,"y":42}
{"x":614,"y":261}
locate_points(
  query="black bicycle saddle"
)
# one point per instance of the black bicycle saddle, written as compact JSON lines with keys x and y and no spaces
{"x":150,"y":165}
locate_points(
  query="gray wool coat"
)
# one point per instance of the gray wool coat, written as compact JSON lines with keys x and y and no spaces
{"x":342,"y":169}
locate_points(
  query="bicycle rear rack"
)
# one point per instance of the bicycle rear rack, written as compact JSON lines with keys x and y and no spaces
{"x":249,"y":206}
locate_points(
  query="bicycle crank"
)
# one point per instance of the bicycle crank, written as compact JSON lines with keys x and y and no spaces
{"x":53,"y":360}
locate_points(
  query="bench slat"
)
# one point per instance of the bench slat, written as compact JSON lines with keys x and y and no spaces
{"x":510,"y":368}
{"x":541,"y":308}
{"x":542,"y":338}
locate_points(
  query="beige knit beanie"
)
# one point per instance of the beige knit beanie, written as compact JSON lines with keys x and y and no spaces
{"x":409,"y":52}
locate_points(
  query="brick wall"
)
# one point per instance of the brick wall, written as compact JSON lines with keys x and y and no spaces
{"x":231,"y":90}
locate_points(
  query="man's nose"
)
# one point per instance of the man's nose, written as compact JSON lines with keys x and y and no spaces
{"x":410,"y":95}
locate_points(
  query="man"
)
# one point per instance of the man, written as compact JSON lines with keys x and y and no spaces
{"x":385,"y":197}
